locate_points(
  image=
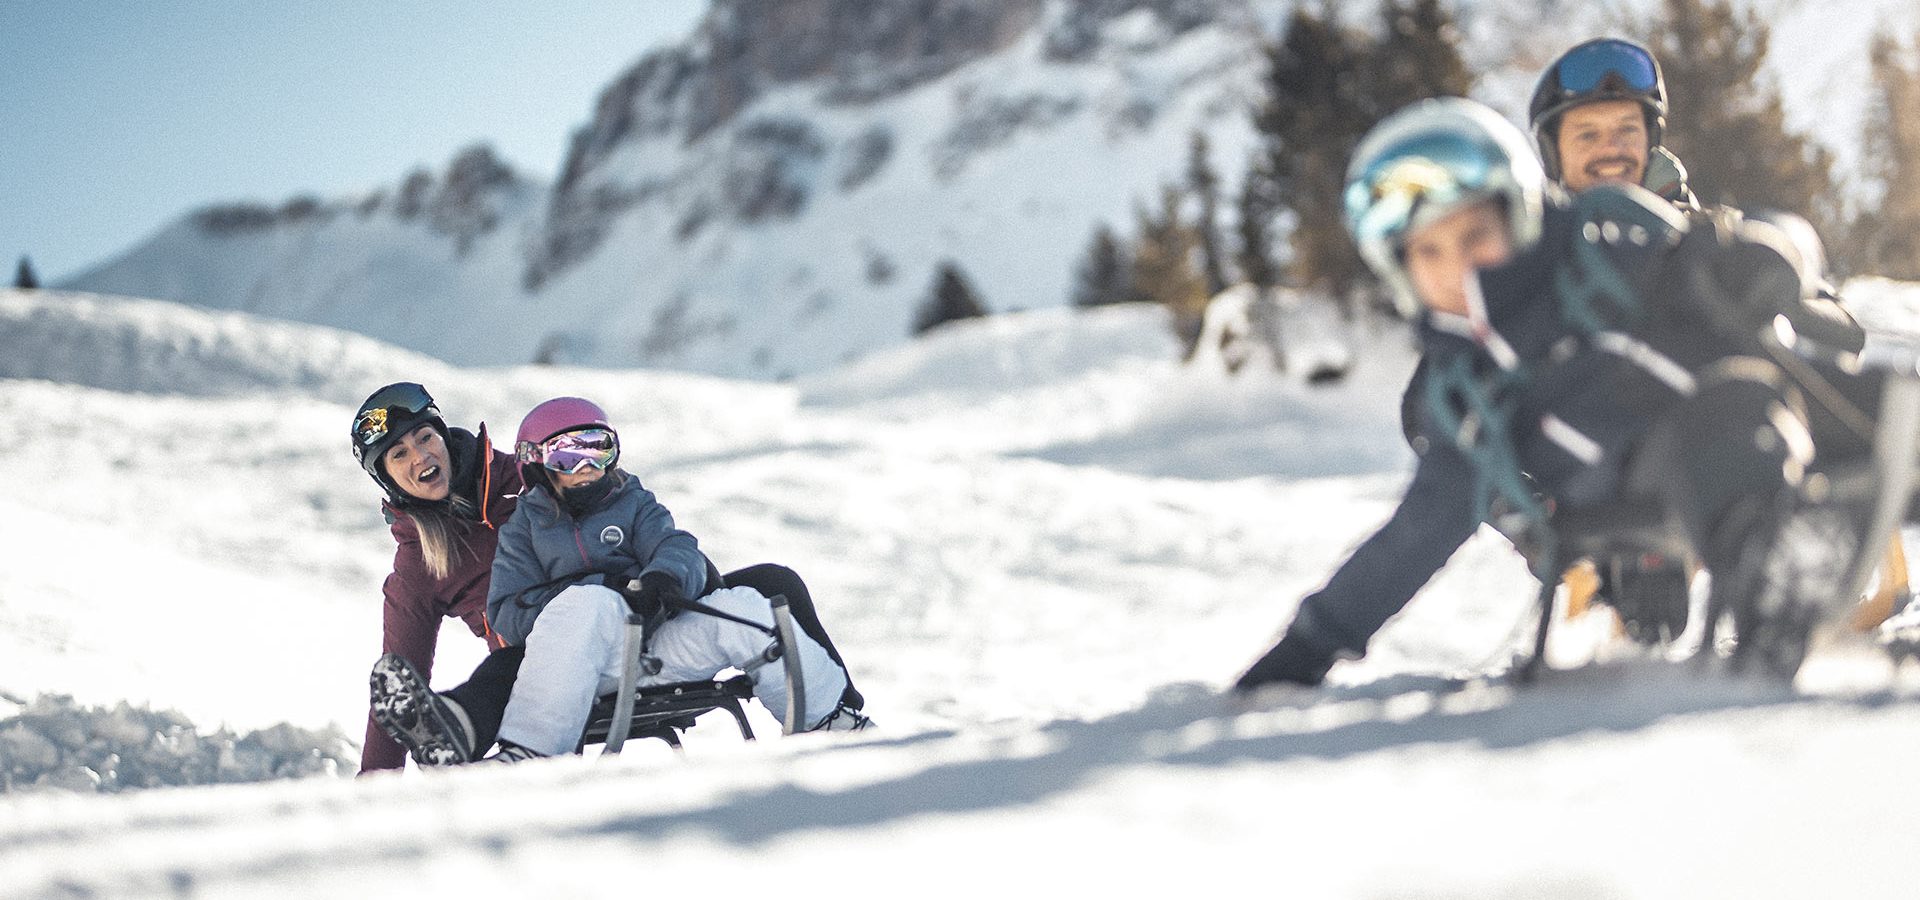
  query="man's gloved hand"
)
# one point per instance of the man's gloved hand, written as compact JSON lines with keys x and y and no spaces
{"x":1292,"y":661}
{"x":651,"y":595}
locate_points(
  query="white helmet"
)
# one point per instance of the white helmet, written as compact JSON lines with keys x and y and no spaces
{"x":1427,"y":160}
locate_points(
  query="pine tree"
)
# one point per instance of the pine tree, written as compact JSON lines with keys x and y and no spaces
{"x":1165,"y":270}
{"x":1205,"y":185}
{"x":1103,"y":278}
{"x":1726,"y":121}
{"x":1314,"y":114}
{"x":953,"y":298}
{"x":1418,"y":56}
{"x":1259,"y":203}
{"x":23,"y":277}
{"x":1326,"y":87}
{"x":1887,"y":234}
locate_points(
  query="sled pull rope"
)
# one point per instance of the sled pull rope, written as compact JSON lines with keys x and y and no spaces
{"x":790,"y":658}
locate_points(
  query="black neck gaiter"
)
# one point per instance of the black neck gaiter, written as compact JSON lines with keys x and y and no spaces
{"x":583,"y":499}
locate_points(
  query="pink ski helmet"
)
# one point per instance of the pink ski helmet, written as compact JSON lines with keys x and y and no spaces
{"x":554,"y":417}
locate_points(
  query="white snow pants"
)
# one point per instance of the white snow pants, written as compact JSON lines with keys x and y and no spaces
{"x":574,"y":654}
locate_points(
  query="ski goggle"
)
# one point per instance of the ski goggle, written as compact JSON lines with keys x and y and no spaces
{"x":377,"y":419}
{"x":1602,"y":63}
{"x":1414,"y":183}
{"x":592,"y":448}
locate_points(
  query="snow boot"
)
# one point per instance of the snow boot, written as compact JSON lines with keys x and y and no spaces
{"x":1652,"y":594}
{"x":511,"y":752}
{"x":1899,"y":635}
{"x":1794,"y":580}
{"x":844,"y":718}
{"x":433,"y":728}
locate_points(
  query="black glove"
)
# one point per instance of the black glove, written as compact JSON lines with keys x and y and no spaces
{"x":1292,"y":661}
{"x":652,"y":595}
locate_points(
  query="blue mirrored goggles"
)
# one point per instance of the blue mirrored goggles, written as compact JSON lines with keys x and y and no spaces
{"x":1431,"y":172}
{"x":1591,"y":66}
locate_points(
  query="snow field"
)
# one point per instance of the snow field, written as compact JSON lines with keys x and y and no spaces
{"x":1042,"y":546}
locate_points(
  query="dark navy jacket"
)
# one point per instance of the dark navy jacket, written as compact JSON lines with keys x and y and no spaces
{"x":543,"y":548}
{"x":1582,"y":342}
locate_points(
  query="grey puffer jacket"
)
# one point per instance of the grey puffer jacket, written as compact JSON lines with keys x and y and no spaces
{"x":543,"y":550}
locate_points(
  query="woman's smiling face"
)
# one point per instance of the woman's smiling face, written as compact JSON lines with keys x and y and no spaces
{"x":417,"y":462}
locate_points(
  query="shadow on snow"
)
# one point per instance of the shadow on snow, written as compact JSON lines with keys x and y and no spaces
{"x":1192,"y":725}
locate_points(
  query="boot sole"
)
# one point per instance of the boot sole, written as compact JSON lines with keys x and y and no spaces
{"x":1805,"y":583}
{"x":409,"y":712}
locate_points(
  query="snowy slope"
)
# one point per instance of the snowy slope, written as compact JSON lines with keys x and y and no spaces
{"x":730,"y":210}
{"x":1043,"y":545}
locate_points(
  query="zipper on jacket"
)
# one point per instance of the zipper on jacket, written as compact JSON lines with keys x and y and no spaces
{"x":486,"y":486}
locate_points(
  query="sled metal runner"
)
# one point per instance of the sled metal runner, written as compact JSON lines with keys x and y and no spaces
{"x":1894,"y":456}
{"x":664,"y":711}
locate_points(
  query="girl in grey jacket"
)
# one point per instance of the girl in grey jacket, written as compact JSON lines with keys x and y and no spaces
{"x":583,"y":523}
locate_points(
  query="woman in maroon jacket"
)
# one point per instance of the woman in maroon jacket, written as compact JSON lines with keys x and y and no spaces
{"x":447,"y":493}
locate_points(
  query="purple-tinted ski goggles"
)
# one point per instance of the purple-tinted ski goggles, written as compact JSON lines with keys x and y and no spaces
{"x":572,"y":451}
{"x":1588,"y":67}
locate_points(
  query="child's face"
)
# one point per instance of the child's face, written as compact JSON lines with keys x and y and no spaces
{"x":1444,"y":253}
{"x":565,"y":480}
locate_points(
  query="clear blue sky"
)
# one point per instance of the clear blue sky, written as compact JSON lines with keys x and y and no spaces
{"x":118,"y":116}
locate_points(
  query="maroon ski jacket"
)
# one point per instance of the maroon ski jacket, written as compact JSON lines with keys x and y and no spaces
{"x":416,"y":601}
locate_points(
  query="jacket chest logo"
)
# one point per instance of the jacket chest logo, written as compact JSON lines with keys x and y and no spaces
{"x":612,"y":536}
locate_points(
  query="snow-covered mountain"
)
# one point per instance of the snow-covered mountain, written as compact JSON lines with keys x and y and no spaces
{"x":1043,"y":544}
{"x":772,"y":197}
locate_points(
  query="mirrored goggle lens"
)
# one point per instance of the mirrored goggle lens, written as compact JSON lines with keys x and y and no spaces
{"x":577,"y":450}
{"x":1427,"y":172}
{"x":1589,"y":67}
{"x":372,"y":425}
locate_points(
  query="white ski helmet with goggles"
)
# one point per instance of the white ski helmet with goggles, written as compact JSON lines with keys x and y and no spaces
{"x":1600,"y":69}
{"x":1430,"y":159}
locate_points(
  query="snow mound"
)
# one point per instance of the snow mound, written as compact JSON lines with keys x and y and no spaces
{"x":56,"y":744}
{"x":973,"y":360}
{"x":1106,"y":388}
{"x":157,"y":347}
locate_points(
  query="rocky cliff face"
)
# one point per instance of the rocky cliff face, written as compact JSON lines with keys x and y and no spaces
{"x":849,"y":53}
{"x":470,"y":199}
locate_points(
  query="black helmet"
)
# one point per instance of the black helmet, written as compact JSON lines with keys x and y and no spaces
{"x":391,"y":412}
{"x":1600,"y":69}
